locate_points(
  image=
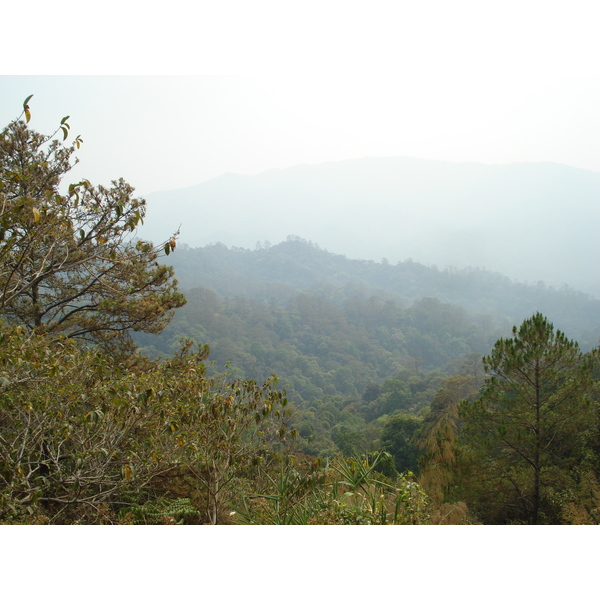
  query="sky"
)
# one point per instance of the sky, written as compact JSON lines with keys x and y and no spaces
{"x":168,"y":99}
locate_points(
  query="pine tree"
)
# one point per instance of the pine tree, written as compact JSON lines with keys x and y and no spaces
{"x":526,"y":430}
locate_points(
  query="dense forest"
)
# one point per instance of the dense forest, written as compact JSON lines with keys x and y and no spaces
{"x":339,"y":331}
{"x":152,"y":383}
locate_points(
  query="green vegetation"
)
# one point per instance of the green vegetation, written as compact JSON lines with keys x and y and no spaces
{"x":91,"y":431}
{"x":68,"y":265}
{"x":382,"y":411}
{"x":523,"y":448}
{"x":343,"y":492}
{"x":529,"y":433}
{"x":279,"y":273}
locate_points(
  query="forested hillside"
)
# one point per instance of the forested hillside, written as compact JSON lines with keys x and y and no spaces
{"x":351,"y":341}
{"x":266,"y":309}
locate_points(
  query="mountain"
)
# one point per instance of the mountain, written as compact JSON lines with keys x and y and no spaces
{"x":530,"y":221}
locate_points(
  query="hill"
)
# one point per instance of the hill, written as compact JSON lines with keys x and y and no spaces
{"x":353,"y":341}
{"x":282,"y":271}
{"x":328,"y":325}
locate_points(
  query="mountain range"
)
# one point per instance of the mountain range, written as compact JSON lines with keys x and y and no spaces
{"x":529,"y":221}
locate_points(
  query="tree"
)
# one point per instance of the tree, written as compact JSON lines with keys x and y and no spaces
{"x":83,"y":439}
{"x":439,"y":442}
{"x":71,"y":425}
{"x":527,"y":430}
{"x":397,"y":438}
{"x":86,"y":436}
{"x":69,"y":263}
{"x":215,"y":428}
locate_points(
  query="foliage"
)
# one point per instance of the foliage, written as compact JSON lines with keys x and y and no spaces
{"x":352,"y":341}
{"x":466,"y":296}
{"x":85,"y":433}
{"x":397,"y":438}
{"x":317,"y":348}
{"x":69,"y":429}
{"x":438,"y":439}
{"x":89,"y":435}
{"x":68,"y":261}
{"x":163,"y":511}
{"x":527,"y":433}
{"x":220,"y":426}
{"x":79,"y":434}
{"x":346,"y":491}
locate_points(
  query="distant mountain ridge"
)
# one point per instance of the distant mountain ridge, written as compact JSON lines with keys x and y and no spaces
{"x":529,"y":221}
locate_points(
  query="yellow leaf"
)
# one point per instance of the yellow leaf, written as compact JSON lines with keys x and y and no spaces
{"x":36,"y":215}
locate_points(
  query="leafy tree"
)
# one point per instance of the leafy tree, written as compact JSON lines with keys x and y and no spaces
{"x":397,"y":438}
{"x":527,"y":432}
{"x":70,"y":430}
{"x":349,"y":441}
{"x":439,"y":442}
{"x":396,"y":396}
{"x":217,"y":427}
{"x":68,"y":261}
{"x":83,"y":439}
{"x":86,"y":436}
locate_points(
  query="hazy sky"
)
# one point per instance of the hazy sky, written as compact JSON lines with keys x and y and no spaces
{"x":245,"y":87}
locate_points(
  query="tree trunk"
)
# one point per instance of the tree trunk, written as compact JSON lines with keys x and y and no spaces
{"x":536,"y":458}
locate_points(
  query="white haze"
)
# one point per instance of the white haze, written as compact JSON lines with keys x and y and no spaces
{"x":492,"y":82}
{"x":270,"y":85}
